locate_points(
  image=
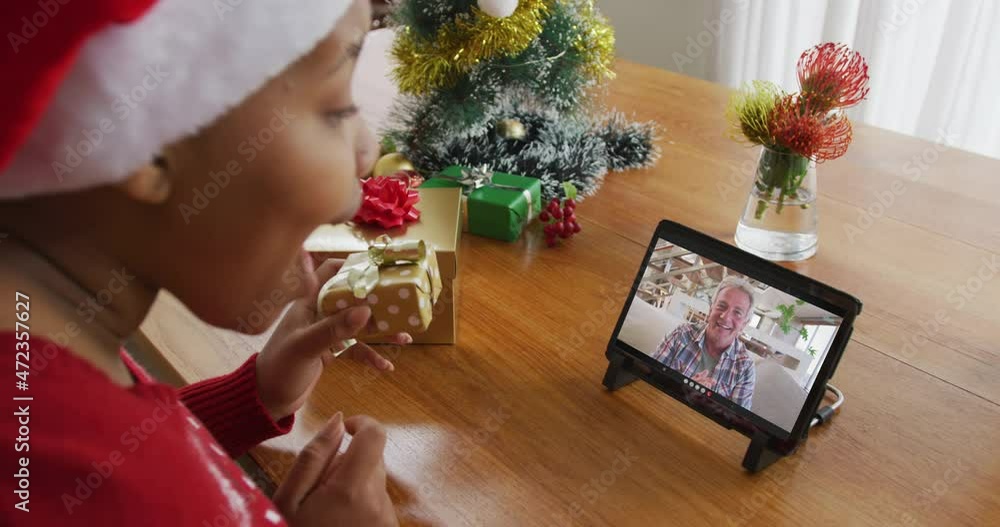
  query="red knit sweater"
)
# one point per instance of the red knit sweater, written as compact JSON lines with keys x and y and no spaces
{"x":100,"y":454}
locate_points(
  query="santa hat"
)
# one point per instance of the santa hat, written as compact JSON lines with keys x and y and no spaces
{"x":95,"y":88}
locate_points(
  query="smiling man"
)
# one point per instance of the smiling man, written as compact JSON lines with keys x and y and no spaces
{"x":712,"y":355}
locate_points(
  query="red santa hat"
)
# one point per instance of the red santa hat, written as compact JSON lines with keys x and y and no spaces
{"x":94,"y":88}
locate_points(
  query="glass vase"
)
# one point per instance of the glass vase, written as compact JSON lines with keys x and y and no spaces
{"x":780,"y":220}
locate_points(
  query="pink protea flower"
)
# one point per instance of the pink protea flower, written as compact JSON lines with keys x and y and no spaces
{"x":799,"y":126}
{"x":833,"y":76}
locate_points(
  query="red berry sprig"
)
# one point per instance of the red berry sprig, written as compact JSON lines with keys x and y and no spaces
{"x":559,"y":218}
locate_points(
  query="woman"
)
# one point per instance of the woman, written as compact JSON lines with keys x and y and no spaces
{"x":190,"y":146}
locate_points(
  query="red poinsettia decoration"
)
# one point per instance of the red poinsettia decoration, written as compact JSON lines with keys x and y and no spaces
{"x":387,"y":202}
{"x":832,"y":76}
{"x":799,"y":126}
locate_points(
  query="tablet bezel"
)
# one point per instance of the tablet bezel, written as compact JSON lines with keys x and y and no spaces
{"x":720,"y":409}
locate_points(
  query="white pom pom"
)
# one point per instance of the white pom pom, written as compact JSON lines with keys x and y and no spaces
{"x":498,"y":8}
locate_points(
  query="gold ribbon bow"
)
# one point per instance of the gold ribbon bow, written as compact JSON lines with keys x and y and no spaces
{"x":363,"y":276}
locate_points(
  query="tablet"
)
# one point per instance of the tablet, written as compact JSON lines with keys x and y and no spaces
{"x":740,"y":339}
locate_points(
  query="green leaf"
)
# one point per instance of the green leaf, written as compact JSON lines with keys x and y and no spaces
{"x":787,"y":313}
{"x":388,"y":145}
{"x":570,"y":190}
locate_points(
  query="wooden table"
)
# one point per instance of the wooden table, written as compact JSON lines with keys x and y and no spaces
{"x":512,"y":426}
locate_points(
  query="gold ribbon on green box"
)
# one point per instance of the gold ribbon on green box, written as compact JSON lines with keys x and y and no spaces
{"x":400,"y":280}
{"x":477,"y":178}
{"x":496,"y":205}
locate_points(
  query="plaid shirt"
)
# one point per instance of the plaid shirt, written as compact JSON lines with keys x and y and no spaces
{"x":734,"y":374}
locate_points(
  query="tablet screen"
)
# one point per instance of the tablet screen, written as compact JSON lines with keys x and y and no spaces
{"x":730,"y":336}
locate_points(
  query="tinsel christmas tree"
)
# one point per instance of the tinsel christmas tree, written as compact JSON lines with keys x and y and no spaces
{"x":508,"y":85}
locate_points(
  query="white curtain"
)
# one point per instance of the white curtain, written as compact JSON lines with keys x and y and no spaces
{"x":934,"y":64}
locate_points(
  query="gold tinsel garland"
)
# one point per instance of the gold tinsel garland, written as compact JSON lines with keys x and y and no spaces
{"x":423,"y":66}
{"x":427,"y":65}
{"x":596,"y":43}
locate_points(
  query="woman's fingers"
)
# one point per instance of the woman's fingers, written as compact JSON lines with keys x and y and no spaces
{"x":364,"y":457}
{"x":318,"y":337}
{"x":353,"y":488}
{"x":364,"y":353}
{"x":310,"y":465}
{"x":315,"y":279}
{"x":328,"y":269}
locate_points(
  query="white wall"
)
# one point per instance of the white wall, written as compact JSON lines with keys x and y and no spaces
{"x":651,"y":31}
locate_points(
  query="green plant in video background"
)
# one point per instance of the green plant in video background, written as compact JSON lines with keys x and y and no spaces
{"x":785,"y":323}
{"x":787,"y":315}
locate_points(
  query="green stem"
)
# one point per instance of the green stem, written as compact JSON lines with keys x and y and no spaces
{"x":761,"y":208}
{"x":782,"y":171}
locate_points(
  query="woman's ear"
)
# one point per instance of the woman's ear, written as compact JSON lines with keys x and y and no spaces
{"x":149,"y":183}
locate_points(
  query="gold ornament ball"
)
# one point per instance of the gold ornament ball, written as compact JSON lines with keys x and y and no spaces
{"x":389,"y":164}
{"x":511,"y":129}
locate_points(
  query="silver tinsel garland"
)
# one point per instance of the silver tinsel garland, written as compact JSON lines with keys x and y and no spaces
{"x":556,"y":149}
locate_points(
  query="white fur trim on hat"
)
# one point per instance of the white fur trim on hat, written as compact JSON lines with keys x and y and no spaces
{"x":135,"y":88}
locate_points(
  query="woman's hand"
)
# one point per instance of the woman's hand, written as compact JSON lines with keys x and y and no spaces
{"x":324,"y":488}
{"x":300,"y":347}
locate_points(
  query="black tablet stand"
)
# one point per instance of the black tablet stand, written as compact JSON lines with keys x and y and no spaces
{"x":760,"y":454}
{"x":618,"y":375}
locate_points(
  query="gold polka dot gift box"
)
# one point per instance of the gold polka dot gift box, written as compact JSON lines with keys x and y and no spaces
{"x":440,"y":229}
{"x":399,"y":280}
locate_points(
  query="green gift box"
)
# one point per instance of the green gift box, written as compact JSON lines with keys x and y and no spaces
{"x":497,"y":205}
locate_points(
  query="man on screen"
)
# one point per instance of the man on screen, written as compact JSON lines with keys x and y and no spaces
{"x":712,"y":354}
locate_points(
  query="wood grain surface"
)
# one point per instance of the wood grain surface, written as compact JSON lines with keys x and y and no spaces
{"x":511,"y":426}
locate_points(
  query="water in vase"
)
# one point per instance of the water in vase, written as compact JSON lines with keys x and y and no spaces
{"x":780,"y":229}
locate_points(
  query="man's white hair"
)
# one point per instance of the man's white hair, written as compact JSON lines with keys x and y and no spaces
{"x":735,"y":282}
